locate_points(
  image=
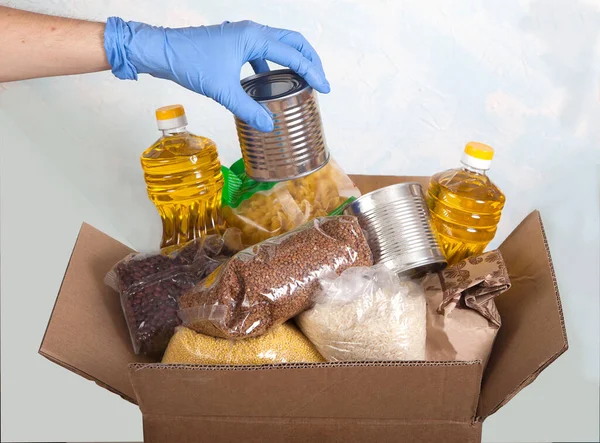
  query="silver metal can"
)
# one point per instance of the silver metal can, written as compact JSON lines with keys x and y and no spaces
{"x":296,"y":147}
{"x":398,"y":226}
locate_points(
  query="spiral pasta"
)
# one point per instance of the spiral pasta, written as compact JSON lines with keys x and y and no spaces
{"x":289,"y":204}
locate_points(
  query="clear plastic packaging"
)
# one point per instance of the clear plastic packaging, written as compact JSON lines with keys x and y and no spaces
{"x":264,"y":210}
{"x":283,"y":344}
{"x":367,"y":314}
{"x":266,"y":285}
{"x":151,"y":284}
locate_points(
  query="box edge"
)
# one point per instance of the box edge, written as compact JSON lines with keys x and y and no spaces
{"x":83,"y":225}
{"x":531,"y":378}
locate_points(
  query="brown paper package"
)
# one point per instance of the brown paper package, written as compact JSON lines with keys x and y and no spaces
{"x":462,"y":319}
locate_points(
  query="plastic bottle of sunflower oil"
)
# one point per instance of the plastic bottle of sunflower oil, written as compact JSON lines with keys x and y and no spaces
{"x":184,"y":180}
{"x":465,"y":205}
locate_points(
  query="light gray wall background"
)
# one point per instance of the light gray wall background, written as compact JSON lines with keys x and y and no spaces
{"x":412,"y":81}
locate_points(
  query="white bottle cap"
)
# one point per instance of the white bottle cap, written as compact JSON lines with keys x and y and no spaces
{"x":171,"y":117}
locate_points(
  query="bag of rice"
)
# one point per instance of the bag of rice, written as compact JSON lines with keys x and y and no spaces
{"x":367,"y":314}
{"x":283,"y":344}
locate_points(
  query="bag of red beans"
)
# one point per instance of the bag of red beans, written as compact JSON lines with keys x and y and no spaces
{"x":150,"y":286}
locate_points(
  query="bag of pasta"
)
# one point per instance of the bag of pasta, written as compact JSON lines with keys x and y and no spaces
{"x":264,"y":210}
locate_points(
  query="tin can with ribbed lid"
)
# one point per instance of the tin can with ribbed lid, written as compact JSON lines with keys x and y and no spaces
{"x":296,"y":147}
{"x":398,"y":227}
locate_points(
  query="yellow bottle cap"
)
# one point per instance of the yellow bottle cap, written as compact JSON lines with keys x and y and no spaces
{"x":479,"y":151}
{"x":171,"y":117}
{"x":169,"y":112}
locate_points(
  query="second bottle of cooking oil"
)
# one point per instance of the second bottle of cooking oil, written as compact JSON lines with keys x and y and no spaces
{"x":184,"y":180}
{"x":465,"y":205}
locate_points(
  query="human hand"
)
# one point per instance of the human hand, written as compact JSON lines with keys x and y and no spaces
{"x":208,"y":59}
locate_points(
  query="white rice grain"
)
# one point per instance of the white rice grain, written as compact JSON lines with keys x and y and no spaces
{"x":367,"y":314}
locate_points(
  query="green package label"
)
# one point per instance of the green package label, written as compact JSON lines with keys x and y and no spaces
{"x":238,"y":187}
{"x":340,"y":209}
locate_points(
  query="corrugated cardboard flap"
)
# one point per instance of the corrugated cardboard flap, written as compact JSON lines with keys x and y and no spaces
{"x":87,"y":333}
{"x":533,"y":332}
{"x":382,"y":394}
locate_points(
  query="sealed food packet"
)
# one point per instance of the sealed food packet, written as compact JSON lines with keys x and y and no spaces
{"x":283,"y":344}
{"x":266,"y":285}
{"x":462,"y":319}
{"x":367,"y":314}
{"x":151,"y":284}
{"x":264,"y":210}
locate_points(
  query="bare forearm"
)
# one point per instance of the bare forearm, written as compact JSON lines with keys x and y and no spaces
{"x":36,"y":45}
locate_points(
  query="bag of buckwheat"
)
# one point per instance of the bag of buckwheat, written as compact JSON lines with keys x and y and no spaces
{"x":266,"y":285}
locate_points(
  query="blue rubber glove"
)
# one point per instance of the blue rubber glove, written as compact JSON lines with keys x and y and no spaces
{"x":208,"y":59}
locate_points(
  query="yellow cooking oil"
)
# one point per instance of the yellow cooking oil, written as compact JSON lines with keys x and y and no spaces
{"x":465,"y":205}
{"x":184,"y":180}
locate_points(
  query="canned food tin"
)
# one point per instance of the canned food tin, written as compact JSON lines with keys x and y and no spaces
{"x":398,"y":226}
{"x":296,"y":147}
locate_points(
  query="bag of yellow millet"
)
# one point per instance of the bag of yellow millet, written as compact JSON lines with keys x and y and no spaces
{"x":263,"y":210}
{"x":283,"y":344}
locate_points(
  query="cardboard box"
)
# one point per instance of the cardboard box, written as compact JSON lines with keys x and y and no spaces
{"x":345,"y":402}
